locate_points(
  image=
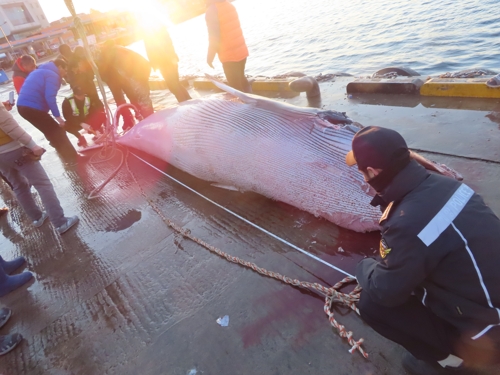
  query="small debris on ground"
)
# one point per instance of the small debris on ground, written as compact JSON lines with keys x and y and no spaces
{"x":340,"y":250}
{"x":224,"y":321}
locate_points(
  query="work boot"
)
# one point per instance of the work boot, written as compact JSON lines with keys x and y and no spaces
{"x":9,"y":342}
{"x":416,"y":366}
{"x":3,"y":210}
{"x":5,"y":314}
{"x":12,"y":265}
{"x":10,"y":283}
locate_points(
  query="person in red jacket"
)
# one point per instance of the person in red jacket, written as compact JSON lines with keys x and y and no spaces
{"x":227,"y":41}
{"x":23,"y":66}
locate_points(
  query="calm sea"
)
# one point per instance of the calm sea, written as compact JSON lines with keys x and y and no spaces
{"x":354,"y":36}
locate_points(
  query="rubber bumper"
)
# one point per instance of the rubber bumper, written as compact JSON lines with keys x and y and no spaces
{"x":385,"y":86}
{"x":460,"y":87}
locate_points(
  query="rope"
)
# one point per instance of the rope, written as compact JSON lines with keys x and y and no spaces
{"x":332,"y":295}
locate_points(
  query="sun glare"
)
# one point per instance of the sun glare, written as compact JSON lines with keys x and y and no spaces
{"x":150,"y":13}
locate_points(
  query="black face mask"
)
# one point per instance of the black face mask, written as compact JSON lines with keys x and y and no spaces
{"x":384,"y":178}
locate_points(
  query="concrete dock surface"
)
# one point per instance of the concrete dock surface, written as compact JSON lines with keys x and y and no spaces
{"x":122,"y":293}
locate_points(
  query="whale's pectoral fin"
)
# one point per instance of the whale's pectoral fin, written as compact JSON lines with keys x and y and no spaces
{"x":225,"y":187}
{"x":240,"y":95}
{"x":265,"y":103}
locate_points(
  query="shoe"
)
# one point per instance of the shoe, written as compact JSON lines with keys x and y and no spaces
{"x":38,"y":223}
{"x":12,"y":265}
{"x":5,"y":314}
{"x":82,"y":142}
{"x":9,"y":342}
{"x":11,"y":283}
{"x":3,"y":210}
{"x":416,"y":366}
{"x":70,"y":221}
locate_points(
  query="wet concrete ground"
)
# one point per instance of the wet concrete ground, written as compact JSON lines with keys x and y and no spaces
{"x":123,"y":294}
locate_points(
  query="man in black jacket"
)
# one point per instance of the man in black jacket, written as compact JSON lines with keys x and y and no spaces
{"x":436,"y":288}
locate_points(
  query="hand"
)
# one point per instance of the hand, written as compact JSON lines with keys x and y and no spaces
{"x":61,"y":122}
{"x":7,"y":105}
{"x":210,"y":63}
{"x":38,"y":151}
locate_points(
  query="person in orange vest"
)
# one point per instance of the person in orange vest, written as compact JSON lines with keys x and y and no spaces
{"x":226,"y":40}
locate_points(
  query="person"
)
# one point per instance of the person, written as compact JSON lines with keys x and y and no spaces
{"x":162,"y":56}
{"x":436,"y":288}
{"x":19,"y":155}
{"x":71,"y":60}
{"x":23,"y":66}
{"x":7,"y":342}
{"x":84,"y":76}
{"x":126,"y":73}
{"x":81,"y":112}
{"x":37,"y":97}
{"x":494,"y":81}
{"x":227,"y":41}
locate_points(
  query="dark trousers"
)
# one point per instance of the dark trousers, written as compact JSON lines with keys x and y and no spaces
{"x":170,"y":73}
{"x":421,"y":332}
{"x":50,"y":128}
{"x":235,"y":75}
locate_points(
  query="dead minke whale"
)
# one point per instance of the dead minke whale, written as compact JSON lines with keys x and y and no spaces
{"x":287,"y":153}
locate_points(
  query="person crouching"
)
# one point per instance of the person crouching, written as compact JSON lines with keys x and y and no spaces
{"x":81,"y":112}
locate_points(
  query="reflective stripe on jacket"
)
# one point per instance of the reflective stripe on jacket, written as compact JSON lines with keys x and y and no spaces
{"x":74,"y":108}
{"x":232,"y":43}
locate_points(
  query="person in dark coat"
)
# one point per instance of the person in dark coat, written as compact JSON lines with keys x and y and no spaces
{"x":38,"y":97}
{"x":435,"y":289}
{"x":126,"y":73}
{"x":84,"y":76}
{"x":23,"y":66}
{"x":162,"y":56}
{"x":68,"y":55}
{"x":82,"y":112}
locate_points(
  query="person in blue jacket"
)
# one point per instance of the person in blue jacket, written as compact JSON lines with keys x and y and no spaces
{"x":38,"y":97}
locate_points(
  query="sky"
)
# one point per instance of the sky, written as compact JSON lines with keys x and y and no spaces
{"x":55,"y":9}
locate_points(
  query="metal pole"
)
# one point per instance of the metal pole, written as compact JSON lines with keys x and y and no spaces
{"x":81,"y":31}
{"x":5,"y":36}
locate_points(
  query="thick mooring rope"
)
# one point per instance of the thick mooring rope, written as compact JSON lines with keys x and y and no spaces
{"x":332,"y":294}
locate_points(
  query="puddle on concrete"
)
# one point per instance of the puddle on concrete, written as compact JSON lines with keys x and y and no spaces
{"x":123,"y":222}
